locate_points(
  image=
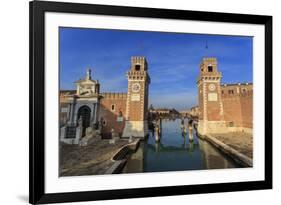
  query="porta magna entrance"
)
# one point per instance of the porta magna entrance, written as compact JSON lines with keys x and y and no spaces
{"x":85,"y":113}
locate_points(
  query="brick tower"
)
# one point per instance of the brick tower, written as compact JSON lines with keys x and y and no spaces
{"x":209,"y":98}
{"x":137,"y":99}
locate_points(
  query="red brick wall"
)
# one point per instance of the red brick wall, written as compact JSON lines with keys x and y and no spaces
{"x":135,"y":111}
{"x":232,"y":110}
{"x":238,"y":106}
{"x":213,"y":111}
{"x":110,"y":116}
{"x":247,"y":109}
{"x":213,"y":107}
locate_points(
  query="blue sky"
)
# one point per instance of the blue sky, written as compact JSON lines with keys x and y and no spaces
{"x":173,"y":61}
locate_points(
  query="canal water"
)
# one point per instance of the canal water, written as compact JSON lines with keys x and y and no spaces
{"x":175,"y":152}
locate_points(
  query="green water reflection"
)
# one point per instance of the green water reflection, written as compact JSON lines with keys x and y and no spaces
{"x":175,"y":152}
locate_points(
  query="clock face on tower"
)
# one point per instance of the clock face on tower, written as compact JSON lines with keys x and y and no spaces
{"x":212,"y":87}
{"x":136,"y":87}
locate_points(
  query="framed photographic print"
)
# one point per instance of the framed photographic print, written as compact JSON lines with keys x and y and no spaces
{"x":140,"y":102}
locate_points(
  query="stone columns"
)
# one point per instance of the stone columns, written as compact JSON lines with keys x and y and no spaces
{"x":92,"y":118}
{"x":71,"y":113}
{"x":96,"y":113}
{"x":74,"y":115}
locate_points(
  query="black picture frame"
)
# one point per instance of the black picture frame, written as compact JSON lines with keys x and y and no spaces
{"x":37,"y":10}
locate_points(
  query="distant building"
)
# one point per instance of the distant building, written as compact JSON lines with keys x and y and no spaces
{"x":163,"y":111}
{"x":192,"y":112}
{"x":160,"y":111}
{"x":124,"y":113}
{"x":222,"y":108}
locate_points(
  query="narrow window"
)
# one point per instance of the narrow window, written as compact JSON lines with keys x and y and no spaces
{"x":210,"y":68}
{"x":112,"y":107}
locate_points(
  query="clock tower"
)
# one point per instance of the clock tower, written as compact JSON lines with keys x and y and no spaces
{"x":209,"y":98}
{"x":137,"y":99}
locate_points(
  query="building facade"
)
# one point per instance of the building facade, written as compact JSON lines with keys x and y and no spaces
{"x":124,"y":114}
{"x":79,"y":109}
{"x":222,"y":108}
{"x":137,"y":98}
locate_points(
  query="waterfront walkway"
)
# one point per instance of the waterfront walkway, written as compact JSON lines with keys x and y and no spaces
{"x":95,"y":158}
{"x":240,"y":141}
